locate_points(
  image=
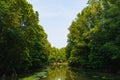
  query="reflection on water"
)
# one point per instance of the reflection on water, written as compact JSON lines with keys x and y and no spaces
{"x":56,"y":73}
{"x":65,"y":73}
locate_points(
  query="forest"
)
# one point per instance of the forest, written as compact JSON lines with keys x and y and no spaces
{"x":93,"y":39}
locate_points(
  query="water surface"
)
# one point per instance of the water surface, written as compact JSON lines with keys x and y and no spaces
{"x":67,"y":73}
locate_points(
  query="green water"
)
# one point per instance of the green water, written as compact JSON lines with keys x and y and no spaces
{"x":66,"y":73}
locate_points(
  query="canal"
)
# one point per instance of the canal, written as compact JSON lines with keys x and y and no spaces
{"x":66,"y":73}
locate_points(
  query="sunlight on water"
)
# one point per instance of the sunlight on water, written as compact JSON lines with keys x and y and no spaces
{"x":59,"y":79}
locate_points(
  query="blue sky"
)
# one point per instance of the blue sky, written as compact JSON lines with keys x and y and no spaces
{"x":56,"y":16}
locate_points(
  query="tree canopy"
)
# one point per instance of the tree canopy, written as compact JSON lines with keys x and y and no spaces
{"x":23,"y":42}
{"x":93,"y":41}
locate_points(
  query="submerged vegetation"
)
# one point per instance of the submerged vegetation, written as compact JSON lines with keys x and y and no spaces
{"x":93,"y":39}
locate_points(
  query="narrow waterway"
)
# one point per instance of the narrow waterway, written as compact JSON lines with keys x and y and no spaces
{"x":66,"y":73}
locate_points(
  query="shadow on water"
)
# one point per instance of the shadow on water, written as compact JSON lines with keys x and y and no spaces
{"x":63,"y":72}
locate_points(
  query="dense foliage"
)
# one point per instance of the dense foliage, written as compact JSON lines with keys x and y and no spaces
{"x":94,"y":38}
{"x":57,"y":55}
{"x":23,"y":42}
{"x":93,"y":41}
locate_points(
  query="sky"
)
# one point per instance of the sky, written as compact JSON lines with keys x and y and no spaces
{"x":56,"y":17}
